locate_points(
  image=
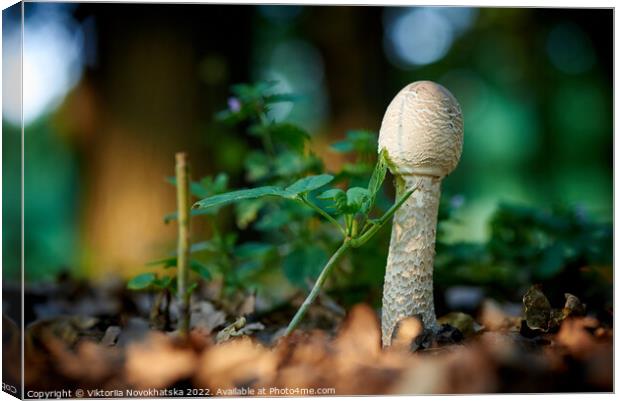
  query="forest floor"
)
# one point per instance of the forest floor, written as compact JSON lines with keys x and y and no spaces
{"x":100,"y":338}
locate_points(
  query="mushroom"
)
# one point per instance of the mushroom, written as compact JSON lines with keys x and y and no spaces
{"x":422,"y":132}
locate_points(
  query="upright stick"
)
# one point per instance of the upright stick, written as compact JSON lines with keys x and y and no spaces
{"x":183,"y":247}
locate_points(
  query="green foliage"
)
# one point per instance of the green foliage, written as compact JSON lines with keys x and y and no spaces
{"x":141,"y":281}
{"x":561,"y":248}
{"x":285,"y":158}
{"x":362,"y":142}
{"x":303,"y":265}
{"x":293,"y":212}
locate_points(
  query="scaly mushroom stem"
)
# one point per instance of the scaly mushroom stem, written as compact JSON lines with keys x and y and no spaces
{"x":422,"y":132}
{"x":183,"y":246}
{"x":408,"y":288}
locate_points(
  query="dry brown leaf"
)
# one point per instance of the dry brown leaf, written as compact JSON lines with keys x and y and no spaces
{"x":359,"y":340}
{"x":405,"y":333}
{"x":157,"y":362}
{"x":494,"y":317}
{"x":205,"y":317}
{"x":236,"y":363}
{"x":102,"y":362}
{"x":574,"y":335}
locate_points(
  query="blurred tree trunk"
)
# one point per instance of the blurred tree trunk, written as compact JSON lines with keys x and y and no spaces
{"x":145,"y":96}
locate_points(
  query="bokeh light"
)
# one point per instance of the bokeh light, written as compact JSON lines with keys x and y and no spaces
{"x":420,"y":36}
{"x":52,"y":59}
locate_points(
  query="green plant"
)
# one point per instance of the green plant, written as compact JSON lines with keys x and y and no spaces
{"x":353,"y":206}
{"x":284,"y":158}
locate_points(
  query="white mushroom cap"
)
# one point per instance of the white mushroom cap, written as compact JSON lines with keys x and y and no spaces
{"x":422,"y":130}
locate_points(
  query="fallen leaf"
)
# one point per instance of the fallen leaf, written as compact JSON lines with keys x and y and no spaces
{"x":236,"y":363}
{"x":157,"y":362}
{"x":462,"y":321}
{"x":537,"y":309}
{"x":405,"y":333}
{"x":494,"y":317}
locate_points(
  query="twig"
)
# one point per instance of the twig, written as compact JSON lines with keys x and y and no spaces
{"x":301,"y":312}
{"x":183,"y":247}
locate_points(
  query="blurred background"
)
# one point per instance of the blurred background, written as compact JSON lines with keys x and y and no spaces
{"x":112,"y":91}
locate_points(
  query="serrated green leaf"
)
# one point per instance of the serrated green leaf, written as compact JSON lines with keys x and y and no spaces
{"x":338,"y":196}
{"x":331,"y":194}
{"x":242,"y":194}
{"x":356,"y":197}
{"x":309,"y":183}
{"x":141,"y":281}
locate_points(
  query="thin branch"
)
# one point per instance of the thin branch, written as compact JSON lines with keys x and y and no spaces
{"x":323,"y":213}
{"x":184,"y":242}
{"x":301,"y":312}
{"x":362,"y":239}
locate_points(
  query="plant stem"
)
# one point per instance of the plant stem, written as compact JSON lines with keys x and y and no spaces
{"x":323,"y":213}
{"x":362,"y":239}
{"x":183,"y":246}
{"x":301,"y":312}
{"x":155,"y":309}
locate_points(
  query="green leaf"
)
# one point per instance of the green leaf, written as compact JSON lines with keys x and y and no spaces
{"x":167,"y":262}
{"x":331,"y":194}
{"x":361,"y":141}
{"x":274,"y":220}
{"x":350,"y":202}
{"x":253,"y":250}
{"x":257,"y":166}
{"x":342,"y":146}
{"x":376,"y":180}
{"x":191,"y":288}
{"x":201,"y":269}
{"x":289,"y":164}
{"x":194,"y":212}
{"x":356,"y":197}
{"x":242,"y":194}
{"x":338,"y":196}
{"x":552,"y":262}
{"x":141,"y":281}
{"x":289,"y":135}
{"x":208,"y":246}
{"x":309,"y":183}
{"x":162,"y":283}
{"x":304,"y":263}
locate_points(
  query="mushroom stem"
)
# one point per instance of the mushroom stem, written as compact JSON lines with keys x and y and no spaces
{"x":422,"y":132}
{"x":408,"y":288}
